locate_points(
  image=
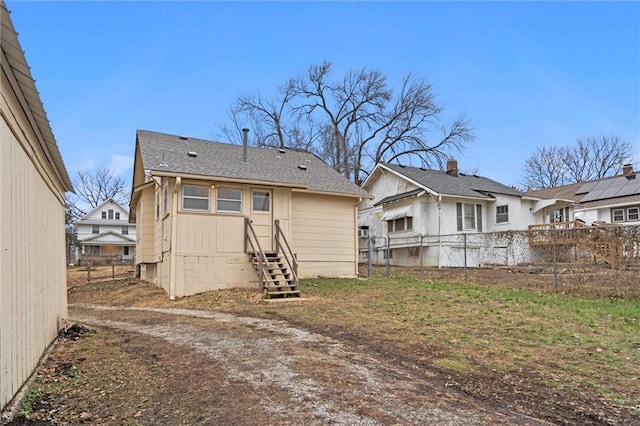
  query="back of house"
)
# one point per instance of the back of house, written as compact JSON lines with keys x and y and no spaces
{"x":33,"y":293}
{"x":204,"y":209}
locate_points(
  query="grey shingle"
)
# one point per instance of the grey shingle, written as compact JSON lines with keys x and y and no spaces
{"x":225,"y":161}
{"x":461,"y":185}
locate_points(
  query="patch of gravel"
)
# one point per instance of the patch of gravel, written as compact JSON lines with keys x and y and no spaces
{"x":304,"y":367}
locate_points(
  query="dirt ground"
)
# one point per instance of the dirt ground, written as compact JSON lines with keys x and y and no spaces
{"x":244,"y":361}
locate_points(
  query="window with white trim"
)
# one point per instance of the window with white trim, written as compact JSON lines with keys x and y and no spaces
{"x":195,"y":197}
{"x":502,"y":214}
{"x":617,"y":215}
{"x":125,"y":230}
{"x":633,"y":213}
{"x":117,"y":215}
{"x":469,"y":217}
{"x":110,"y":214}
{"x":104,"y":215}
{"x":229,"y":200}
{"x":95,"y":229}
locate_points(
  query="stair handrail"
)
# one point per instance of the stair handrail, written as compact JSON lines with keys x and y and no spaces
{"x":288,"y":254}
{"x":259,"y":253}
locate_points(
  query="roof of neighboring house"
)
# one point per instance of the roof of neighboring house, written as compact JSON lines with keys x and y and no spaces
{"x":95,"y":239}
{"x":462,"y":185}
{"x":108,"y":200}
{"x":399,"y":196}
{"x":16,"y":65}
{"x":596,"y":193}
{"x":166,"y":153}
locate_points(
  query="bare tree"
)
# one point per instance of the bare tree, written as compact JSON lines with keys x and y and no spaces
{"x":93,"y":187}
{"x":590,"y":158}
{"x":354,"y":122}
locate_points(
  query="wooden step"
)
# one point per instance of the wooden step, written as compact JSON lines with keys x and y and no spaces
{"x":289,"y":293}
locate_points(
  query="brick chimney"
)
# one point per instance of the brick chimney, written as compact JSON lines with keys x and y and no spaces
{"x":627,"y":169}
{"x":452,"y":167}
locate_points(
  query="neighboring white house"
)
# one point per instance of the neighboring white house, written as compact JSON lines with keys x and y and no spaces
{"x":608,"y":200}
{"x":418,"y":207}
{"x":105,"y":231}
{"x":33,"y":285}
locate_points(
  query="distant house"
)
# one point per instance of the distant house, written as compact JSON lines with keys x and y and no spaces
{"x":211,"y":215}
{"x":105,"y":232}
{"x":33,"y":291}
{"x":611,"y":200}
{"x":418,"y":207}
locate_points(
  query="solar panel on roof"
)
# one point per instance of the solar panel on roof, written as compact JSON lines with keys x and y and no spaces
{"x":592,"y":196}
{"x":586,"y":188}
{"x":632,"y":188}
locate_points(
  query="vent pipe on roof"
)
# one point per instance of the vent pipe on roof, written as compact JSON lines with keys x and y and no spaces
{"x":245,"y":142}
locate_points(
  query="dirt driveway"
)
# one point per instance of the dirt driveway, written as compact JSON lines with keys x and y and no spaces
{"x":217,"y":368}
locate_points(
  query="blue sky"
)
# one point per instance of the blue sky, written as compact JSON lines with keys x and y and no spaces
{"x":525,"y":74}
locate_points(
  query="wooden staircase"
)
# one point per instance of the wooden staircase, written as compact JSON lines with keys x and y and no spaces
{"x":277,"y":270}
{"x":278,"y":280}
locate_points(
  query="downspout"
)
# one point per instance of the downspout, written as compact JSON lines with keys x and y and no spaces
{"x":174,"y":233}
{"x":439,"y":202}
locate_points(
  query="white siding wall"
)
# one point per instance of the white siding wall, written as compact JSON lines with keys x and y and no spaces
{"x":33,"y":297}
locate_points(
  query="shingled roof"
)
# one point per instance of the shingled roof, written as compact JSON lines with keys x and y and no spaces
{"x":166,"y":153}
{"x":461,"y":185}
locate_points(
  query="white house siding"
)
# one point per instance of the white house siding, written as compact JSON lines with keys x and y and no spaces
{"x":33,"y":297}
{"x":324,"y":235}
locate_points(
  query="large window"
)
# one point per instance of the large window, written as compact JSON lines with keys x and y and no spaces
{"x":400,"y":224}
{"x":261,"y":201}
{"x":229,"y":200}
{"x":195,"y":197}
{"x":469,"y":217}
{"x":502,"y":214}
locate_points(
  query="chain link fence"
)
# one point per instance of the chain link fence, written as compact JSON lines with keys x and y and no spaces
{"x":614,"y":247}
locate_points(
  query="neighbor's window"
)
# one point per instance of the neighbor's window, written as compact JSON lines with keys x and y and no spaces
{"x":633,"y":213}
{"x":110,"y":214}
{"x":118,"y":215}
{"x":229,"y":200}
{"x":617,"y":215}
{"x":502,"y":214}
{"x":195,"y":197}
{"x":104,"y":215}
{"x":469,"y":217}
{"x":125,"y":230}
{"x":400,"y":224}
{"x":126,"y":251}
{"x":261,"y":201}
{"x":95,"y":229}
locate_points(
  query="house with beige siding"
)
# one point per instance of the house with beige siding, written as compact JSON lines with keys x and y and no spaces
{"x":105,"y":233}
{"x":33,"y":291}
{"x":212,"y":215}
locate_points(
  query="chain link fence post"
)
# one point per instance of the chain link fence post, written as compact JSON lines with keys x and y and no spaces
{"x":388,"y":255}
{"x":369,"y":254}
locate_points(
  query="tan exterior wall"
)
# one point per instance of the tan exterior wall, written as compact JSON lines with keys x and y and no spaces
{"x":145,"y":226}
{"x":208,"y":247}
{"x":324,"y":235}
{"x":33,"y":297}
